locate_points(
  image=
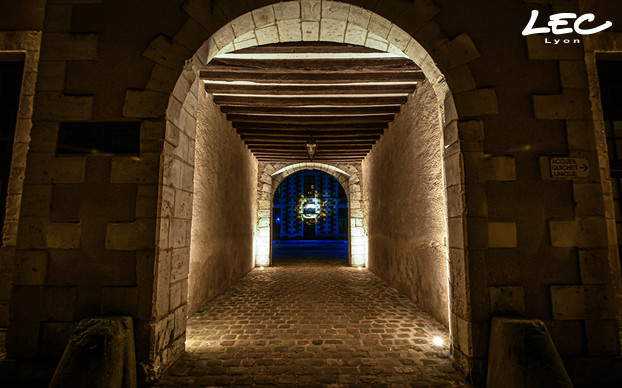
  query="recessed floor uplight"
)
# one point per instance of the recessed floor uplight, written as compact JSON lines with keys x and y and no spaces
{"x":261,"y":268}
{"x":438,"y":341}
{"x":360,"y":267}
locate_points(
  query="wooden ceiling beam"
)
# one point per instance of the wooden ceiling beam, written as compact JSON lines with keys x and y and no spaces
{"x":354,"y":132}
{"x":314,"y":63}
{"x":301,"y":147}
{"x":302,"y":159}
{"x":304,"y":110}
{"x":327,"y":76}
{"x":318,"y":155}
{"x":307,"y":89}
{"x":348,"y":100}
{"x":322,"y":142}
{"x":321,"y":138}
{"x":311,"y":126}
{"x":306,"y":47}
{"x":281,"y":119}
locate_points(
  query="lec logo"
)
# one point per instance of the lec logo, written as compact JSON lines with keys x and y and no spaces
{"x":558,"y":22}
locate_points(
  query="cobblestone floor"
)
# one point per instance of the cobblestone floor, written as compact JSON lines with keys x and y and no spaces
{"x":314,"y":324}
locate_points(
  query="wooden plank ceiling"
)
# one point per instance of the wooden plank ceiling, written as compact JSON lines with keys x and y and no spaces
{"x":277,"y":96}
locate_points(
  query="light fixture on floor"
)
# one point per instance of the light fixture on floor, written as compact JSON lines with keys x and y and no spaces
{"x":261,"y":268}
{"x":311,"y":145}
{"x":438,"y":341}
{"x":360,"y":267}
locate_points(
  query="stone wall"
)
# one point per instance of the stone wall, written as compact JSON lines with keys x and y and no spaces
{"x":224,"y":204}
{"x":404,"y":191}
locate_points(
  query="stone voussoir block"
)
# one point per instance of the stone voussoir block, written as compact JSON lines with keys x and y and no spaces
{"x":332,"y":30}
{"x":458,"y":51}
{"x":475,"y":103}
{"x":191,"y":35}
{"x":167,"y":52}
{"x":162,"y":79}
{"x":287,"y":10}
{"x":263,"y":16}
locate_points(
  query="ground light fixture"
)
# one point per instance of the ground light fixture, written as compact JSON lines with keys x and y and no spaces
{"x":438,"y":341}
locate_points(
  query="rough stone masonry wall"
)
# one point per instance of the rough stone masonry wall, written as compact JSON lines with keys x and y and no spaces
{"x":404,"y":191}
{"x":225,"y":175}
{"x":87,"y":224}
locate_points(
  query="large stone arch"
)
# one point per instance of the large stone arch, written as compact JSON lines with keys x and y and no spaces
{"x":444,"y":61}
{"x":270,"y":176}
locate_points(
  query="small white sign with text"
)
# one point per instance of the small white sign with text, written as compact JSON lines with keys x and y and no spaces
{"x":569,"y":168}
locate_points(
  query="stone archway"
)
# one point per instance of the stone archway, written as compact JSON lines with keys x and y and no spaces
{"x":272,"y":174}
{"x":423,"y":41}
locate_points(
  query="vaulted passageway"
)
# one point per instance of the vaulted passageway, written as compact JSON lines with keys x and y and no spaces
{"x":376,"y":126}
{"x":364,"y":113}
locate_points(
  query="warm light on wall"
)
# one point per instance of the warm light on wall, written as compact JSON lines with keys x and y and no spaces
{"x":262,"y":246}
{"x":358,"y":247}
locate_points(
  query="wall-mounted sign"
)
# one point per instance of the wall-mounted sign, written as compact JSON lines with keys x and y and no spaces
{"x":569,"y":168}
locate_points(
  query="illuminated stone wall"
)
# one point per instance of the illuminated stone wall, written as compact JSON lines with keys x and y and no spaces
{"x":407,"y":236}
{"x":225,"y":175}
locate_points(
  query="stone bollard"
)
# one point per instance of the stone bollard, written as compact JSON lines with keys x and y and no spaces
{"x":100,"y":353}
{"x":522,"y":354}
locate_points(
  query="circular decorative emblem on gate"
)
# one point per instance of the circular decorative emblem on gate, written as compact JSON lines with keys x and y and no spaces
{"x":311,"y":209}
